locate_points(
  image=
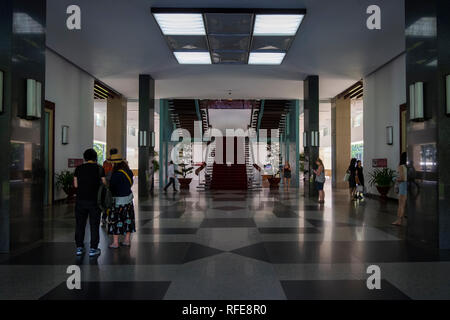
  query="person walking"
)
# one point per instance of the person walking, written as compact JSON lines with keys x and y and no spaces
{"x":121,"y":219}
{"x":171,"y":176}
{"x":287,"y":174}
{"x":108,"y":167}
{"x":320,"y":179}
{"x":352,"y":179}
{"x":87,"y":179}
{"x":359,"y":180}
{"x":402,"y":183}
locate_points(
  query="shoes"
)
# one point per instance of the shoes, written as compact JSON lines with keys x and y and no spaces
{"x":80,"y":251}
{"x":94,"y":252}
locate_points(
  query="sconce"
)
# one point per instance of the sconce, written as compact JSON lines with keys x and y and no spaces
{"x":305,"y":139}
{"x":1,"y":91}
{"x":416,"y":101}
{"x":314,"y":138}
{"x":447,"y":91}
{"x":390,"y":136}
{"x":65,"y":135}
{"x":152,"y":139}
{"x":34,"y":99}
{"x":142,"y":138}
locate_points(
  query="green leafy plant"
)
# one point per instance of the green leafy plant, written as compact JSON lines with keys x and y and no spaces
{"x":302,"y":162}
{"x":155,"y":166}
{"x":64,"y":181}
{"x":382,"y":177}
{"x":184,"y":170}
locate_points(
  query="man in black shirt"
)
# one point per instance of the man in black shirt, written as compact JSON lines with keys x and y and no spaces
{"x":88,"y":178}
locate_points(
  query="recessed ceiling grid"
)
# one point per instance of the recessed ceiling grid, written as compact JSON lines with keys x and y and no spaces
{"x":229,"y":36}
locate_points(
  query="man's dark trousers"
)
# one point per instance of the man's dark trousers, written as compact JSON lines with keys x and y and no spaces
{"x":83,"y":211}
{"x":171,"y":182}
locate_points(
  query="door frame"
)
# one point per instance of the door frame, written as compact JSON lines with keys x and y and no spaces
{"x":50,"y":106}
{"x":403,"y":108}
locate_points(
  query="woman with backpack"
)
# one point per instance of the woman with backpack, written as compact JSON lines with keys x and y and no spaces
{"x":121,"y":219}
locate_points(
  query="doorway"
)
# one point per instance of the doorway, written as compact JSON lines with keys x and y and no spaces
{"x":49,"y":152}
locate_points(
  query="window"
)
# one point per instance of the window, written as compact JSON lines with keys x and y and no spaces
{"x":100,"y":120}
{"x":325,"y":132}
{"x":357,"y":120}
{"x":132,"y":131}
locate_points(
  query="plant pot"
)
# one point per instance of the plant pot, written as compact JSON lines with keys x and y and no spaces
{"x":71,"y":192}
{"x":383,"y":190}
{"x":184,"y":183}
{"x":274,"y":182}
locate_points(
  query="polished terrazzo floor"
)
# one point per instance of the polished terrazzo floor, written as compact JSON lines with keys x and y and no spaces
{"x":235,"y":245}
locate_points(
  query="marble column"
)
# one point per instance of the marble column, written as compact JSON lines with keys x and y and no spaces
{"x":146,"y":130}
{"x":427,"y":30}
{"x":116,"y":127}
{"x":311,"y":124}
{"x":22,"y":57}
{"x":341,"y":140}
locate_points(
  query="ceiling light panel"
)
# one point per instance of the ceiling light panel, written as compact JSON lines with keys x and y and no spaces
{"x":266,"y":58}
{"x":277,"y":24}
{"x":181,"y":23}
{"x":184,"y":57}
{"x":225,"y":35}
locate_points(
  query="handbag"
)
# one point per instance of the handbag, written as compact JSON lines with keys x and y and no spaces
{"x":347,"y":176}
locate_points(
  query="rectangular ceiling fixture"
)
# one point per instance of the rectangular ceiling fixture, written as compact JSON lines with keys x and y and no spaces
{"x":188,"y":24}
{"x":269,"y":58}
{"x":277,"y":24}
{"x":229,"y":36}
{"x":184,"y":57}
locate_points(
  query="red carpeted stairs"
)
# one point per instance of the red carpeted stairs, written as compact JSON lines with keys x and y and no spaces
{"x":229,"y":177}
{"x":233,"y":177}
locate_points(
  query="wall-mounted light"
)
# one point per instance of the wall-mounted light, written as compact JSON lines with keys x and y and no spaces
{"x":152,"y":139}
{"x":142,"y":138}
{"x":1,"y":91}
{"x":305,"y":139}
{"x":34,"y":99}
{"x":65,"y":134}
{"x":314,"y":138}
{"x":389,"y":135}
{"x":447,"y":91}
{"x":416,"y":101}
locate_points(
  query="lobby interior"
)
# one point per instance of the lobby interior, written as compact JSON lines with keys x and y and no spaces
{"x":234,"y":100}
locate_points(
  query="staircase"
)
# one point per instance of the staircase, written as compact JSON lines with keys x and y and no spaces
{"x":229,"y":176}
{"x":210,"y":156}
{"x":252,"y":183}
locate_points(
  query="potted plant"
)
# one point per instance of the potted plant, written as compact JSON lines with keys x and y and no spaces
{"x":184,"y":181}
{"x":275,"y":180}
{"x":302,"y":164}
{"x":64,"y":181}
{"x":382,"y":179}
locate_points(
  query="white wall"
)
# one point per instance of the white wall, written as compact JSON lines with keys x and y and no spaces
{"x":384,"y":92}
{"x":71,"y":89}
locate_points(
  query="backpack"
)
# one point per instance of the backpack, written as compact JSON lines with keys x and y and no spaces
{"x":104,"y":196}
